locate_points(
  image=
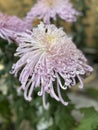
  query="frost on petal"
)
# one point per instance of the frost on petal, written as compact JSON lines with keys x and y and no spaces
{"x":47,"y":9}
{"x":47,"y":56}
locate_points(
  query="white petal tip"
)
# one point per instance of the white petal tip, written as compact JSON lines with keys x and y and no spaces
{"x":66,"y":103}
{"x":28,"y":98}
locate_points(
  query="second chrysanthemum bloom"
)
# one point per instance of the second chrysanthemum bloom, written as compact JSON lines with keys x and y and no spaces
{"x":9,"y":25}
{"x":48,"y":56}
{"x":50,"y":9}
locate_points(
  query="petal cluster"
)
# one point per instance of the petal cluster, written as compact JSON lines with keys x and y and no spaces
{"x":9,"y":25}
{"x":49,"y":9}
{"x":50,"y":61}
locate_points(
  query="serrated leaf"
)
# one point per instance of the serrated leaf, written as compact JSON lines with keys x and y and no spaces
{"x":63,"y":119}
{"x":90,"y":119}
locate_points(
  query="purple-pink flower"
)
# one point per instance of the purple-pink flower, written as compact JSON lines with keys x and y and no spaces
{"x":50,"y":9}
{"x":9,"y":25}
{"x":47,"y":57}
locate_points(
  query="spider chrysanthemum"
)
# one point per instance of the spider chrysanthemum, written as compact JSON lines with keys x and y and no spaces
{"x":47,"y":57}
{"x":50,"y":9}
{"x":9,"y":25}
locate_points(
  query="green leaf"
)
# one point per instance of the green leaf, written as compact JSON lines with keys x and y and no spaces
{"x":63,"y":118}
{"x":93,"y":93}
{"x":61,"y":115}
{"x":89,"y":121}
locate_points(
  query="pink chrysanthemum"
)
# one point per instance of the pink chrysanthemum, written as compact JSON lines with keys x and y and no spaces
{"x":9,"y":25}
{"x":47,"y":9}
{"x":48,"y":56}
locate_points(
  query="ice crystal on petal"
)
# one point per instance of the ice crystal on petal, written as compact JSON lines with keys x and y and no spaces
{"x":47,"y":9}
{"x":47,"y":57}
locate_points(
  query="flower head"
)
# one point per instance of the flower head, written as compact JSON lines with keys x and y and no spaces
{"x":48,"y":56}
{"x":47,"y":9}
{"x":9,"y":25}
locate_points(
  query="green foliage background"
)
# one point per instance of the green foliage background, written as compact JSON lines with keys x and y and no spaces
{"x":15,"y":111}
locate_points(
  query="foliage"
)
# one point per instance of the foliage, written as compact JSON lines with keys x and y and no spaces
{"x":91,"y":92}
{"x":89,"y":121}
{"x":78,"y":28}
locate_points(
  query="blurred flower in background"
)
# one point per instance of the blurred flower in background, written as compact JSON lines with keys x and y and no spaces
{"x":9,"y":25}
{"x":50,"y":9}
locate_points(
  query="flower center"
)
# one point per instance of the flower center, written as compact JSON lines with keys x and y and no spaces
{"x":47,"y":41}
{"x":50,"y":39}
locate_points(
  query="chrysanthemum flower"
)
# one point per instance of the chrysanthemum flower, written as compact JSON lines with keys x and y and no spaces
{"x":47,"y":57}
{"x":49,"y":9}
{"x":9,"y":25}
